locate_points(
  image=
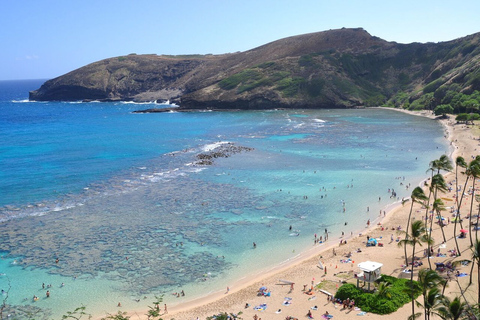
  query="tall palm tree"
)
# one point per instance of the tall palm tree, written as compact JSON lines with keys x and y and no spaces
{"x":435,"y":166}
{"x":476,"y":259}
{"x":443,"y":163}
{"x":417,"y":196}
{"x":437,"y":184}
{"x":474,"y":172}
{"x":460,"y":163}
{"x":452,"y":309}
{"x":416,"y":237}
{"x":429,"y":280}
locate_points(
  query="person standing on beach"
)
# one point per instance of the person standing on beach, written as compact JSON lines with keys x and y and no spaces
{"x":165,"y":311}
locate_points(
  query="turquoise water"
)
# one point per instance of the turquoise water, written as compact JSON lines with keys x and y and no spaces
{"x":117,"y":197}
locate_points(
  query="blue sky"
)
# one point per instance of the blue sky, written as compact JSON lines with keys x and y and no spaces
{"x":42,"y":39}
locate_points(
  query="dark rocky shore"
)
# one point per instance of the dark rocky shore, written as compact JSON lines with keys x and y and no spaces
{"x":223,"y":151}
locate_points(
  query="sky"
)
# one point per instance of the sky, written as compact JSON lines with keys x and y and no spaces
{"x":43,"y":39}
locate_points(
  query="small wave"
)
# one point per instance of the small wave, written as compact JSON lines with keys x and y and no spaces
{"x":213,"y":146}
{"x":22,"y":101}
{"x":319,"y":120}
{"x":140,"y":103}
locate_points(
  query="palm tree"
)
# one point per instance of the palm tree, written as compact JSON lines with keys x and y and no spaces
{"x":460,"y":162}
{"x":437,"y":184}
{"x":452,"y":309}
{"x":416,"y":237}
{"x":443,"y":163}
{"x":476,"y":259}
{"x":432,"y":300}
{"x":417,"y":196}
{"x":474,"y":173}
{"x":477,"y":198}
{"x":429,"y":280}
{"x":383,"y":289}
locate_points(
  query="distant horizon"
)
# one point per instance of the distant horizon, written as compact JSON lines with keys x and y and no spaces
{"x":50,"y":38}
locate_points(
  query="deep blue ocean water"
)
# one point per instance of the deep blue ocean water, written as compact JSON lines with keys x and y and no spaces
{"x":118,"y":199}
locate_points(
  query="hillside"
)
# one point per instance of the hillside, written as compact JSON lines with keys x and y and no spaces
{"x":341,"y":68}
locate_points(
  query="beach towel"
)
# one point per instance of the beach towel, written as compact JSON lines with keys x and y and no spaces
{"x":261,"y":307}
{"x":361,"y":313}
{"x":324,"y":316}
{"x":463,"y":274}
{"x":287,"y":303}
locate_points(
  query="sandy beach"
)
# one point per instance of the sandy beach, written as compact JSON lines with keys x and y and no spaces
{"x":304,"y":270}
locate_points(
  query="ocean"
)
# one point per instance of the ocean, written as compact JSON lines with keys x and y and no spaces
{"x":99,"y":205}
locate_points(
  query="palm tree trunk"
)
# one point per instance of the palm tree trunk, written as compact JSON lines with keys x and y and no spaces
{"x":471,"y":271}
{"x":458,"y":217}
{"x":406,"y":234}
{"x":478,"y":282}
{"x":440,"y":222}
{"x":429,"y":246}
{"x":461,"y":199}
{"x":471,"y":211}
{"x":411,"y":283}
{"x":476,"y":226}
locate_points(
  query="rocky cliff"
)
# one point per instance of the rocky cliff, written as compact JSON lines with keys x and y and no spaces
{"x":335,"y":69}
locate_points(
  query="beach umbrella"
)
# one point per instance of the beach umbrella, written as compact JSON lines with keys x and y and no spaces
{"x":463,"y":230}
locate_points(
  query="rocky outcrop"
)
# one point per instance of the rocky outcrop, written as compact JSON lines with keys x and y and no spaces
{"x":332,"y":69}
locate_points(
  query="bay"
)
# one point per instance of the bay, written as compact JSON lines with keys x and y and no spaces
{"x":115,"y":206}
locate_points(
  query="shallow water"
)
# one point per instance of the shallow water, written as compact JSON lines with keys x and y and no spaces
{"x":117,"y":197}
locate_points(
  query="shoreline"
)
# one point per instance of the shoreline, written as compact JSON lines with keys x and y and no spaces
{"x":243,"y":291}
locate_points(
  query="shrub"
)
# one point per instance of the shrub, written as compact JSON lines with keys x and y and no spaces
{"x":432,"y":86}
{"x":314,"y":87}
{"x":243,"y":76}
{"x":372,"y":302}
{"x":290,"y":86}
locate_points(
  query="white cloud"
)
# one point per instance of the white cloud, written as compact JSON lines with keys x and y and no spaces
{"x":27,"y":57}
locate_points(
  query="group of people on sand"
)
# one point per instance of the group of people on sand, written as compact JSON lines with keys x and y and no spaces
{"x":326,"y":315}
